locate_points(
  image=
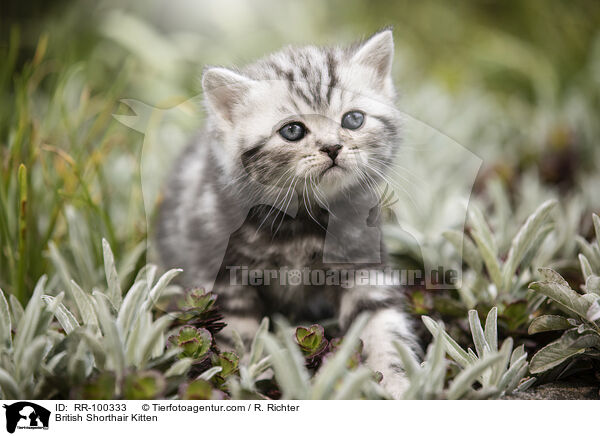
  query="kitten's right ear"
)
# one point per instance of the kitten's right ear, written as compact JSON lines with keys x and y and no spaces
{"x":377,"y":52}
{"x":223,"y":89}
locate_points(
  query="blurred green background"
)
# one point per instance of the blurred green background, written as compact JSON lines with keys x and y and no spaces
{"x":516,"y":82}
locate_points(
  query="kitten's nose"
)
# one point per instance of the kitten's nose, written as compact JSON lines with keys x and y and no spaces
{"x":331,"y":150}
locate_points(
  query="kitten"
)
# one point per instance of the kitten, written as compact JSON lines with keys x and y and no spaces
{"x":312,"y":124}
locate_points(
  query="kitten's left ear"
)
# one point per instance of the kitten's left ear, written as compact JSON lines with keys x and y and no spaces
{"x":224,"y":89}
{"x":377,"y":52}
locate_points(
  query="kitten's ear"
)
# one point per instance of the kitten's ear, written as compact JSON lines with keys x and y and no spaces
{"x":223,"y":89}
{"x":377,"y":52}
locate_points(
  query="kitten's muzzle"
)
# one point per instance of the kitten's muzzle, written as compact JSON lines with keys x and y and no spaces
{"x":331,"y":150}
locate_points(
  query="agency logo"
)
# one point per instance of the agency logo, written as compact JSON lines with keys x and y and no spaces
{"x":26,"y":415}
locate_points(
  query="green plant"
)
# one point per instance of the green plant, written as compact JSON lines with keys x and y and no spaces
{"x":102,"y":345}
{"x":581,"y":311}
{"x":333,"y":380}
{"x":498,"y":371}
{"x":491,"y":279}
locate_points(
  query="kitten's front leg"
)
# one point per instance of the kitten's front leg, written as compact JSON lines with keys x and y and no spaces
{"x":387,"y":324}
{"x":242,"y":311}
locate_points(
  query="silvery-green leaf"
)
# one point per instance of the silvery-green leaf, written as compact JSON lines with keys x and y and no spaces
{"x":589,"y":299}
{"x":586,"y":249}
{"x":32,"y":357}
{"x":526,"y":384}
{"x":491,"y":329}
{"x":465,"y":379}
{"x":5,"y":324}
{"x":210,"y":373}
{"x":512,"y":377}
{"x":481,"y":345}
{"x":112,"y":279}
{"x":257,"y":347}
{"x":467,"y":297}
{"x":452,"y":348}
{"x":129,"y":262}
{"x":79,"y":363}
{"x":238,"y":343}
{"x":130,"y":308}
{"x":33,"y":321}
{"x":437,"y":369}
{"x":147,"y":274}
{"x":84,"y":304}
{"x":112,"y":339}
{"x":133,"y":338}
{"x":592,"y":285}
{"x":55,"y":361}
{"x":546,"y":323}
{"x":9,"y":386}
{"x":500,"y":367}
{"x":410,"y":364}
{"x":166,"y":358}
{"x":95,"y":346}
{"x":489,"y":259}
{"x":159,"y":287}
{"x":586,"y":268}
{"x":16,"y":309}
{"x":335,"y":368}
{"x":60,"y":264}
{"x":524,"y":239}
{"x":180,"y":367}
{"x":259,"y":367}
{"x":151,"y":336}
{"x":536,"y":246}
{"x":515,"y":379}
{"x":549,"y":275}
{"x":291,"y":377}
{"x":591,"y":339}
{"x":480,"y":226}
{"x":596,"y":220}
{"x":472,"y":355}
{"x":464,"y":245}
{"x":554,"y":354}
{"x":65,"y":318}
{"x":563,"y":295}
{"x":593,"y":312}
{"x":353,"y":384}
{"x":79,"y":244}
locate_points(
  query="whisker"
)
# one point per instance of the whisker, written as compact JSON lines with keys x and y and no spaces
{"x":286,"y":208}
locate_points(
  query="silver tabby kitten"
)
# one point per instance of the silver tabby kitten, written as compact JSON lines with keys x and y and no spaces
{"x":317,"y":125}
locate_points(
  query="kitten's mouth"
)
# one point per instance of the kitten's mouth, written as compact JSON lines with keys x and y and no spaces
{"x":332,"y":168}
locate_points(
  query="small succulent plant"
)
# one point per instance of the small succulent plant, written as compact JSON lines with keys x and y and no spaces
{"x":311,"y":340}
{"x":193,"y":342}
{"x":199,"y":309}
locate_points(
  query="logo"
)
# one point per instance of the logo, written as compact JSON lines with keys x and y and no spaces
{"x":26,"y":415}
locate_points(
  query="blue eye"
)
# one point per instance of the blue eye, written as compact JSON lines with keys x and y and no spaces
{"x":293,"y":131}
{"x":353,"y":120}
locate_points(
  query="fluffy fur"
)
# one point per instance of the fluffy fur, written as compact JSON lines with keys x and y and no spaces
{"x":228,"y":199}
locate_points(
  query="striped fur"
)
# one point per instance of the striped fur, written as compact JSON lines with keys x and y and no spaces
{"x":243,"y":196}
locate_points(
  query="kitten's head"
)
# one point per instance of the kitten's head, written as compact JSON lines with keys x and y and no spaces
{"x":311,"y":116}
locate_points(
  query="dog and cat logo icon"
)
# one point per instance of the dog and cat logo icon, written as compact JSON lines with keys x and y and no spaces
{"x":26,"y":415}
